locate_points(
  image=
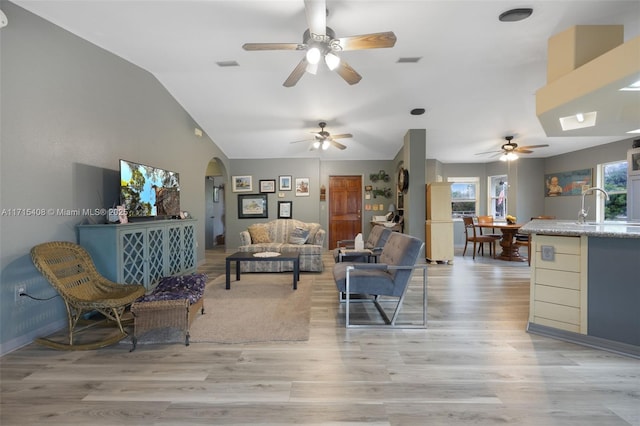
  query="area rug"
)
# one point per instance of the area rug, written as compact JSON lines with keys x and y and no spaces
{"x":261,"y":307}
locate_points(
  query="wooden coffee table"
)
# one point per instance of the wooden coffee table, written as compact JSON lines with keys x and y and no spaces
{"x":242,"y":256}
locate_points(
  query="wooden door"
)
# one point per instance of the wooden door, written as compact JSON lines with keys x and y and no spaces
{"x":345,"y":208}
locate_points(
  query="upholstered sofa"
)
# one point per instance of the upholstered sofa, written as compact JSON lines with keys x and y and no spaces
{"x":284,"y":235}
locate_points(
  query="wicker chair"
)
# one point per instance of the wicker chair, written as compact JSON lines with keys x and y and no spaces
{"x":70,"y":270}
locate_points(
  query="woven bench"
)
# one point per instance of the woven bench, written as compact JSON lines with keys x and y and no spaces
{"x":174,"y":303}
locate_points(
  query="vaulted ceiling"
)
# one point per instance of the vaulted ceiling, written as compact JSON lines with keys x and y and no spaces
{"x":475,"y":76}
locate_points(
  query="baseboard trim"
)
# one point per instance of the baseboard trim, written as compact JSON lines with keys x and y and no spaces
{"x":26,"y":339}
{"x":584,"y":340}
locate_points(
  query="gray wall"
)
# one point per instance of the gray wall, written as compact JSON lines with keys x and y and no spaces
{"x":70,"y":111}
{"x":306,"y":209}
{"x":567,"y":207}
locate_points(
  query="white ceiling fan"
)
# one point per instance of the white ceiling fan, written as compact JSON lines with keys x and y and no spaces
{"x":319,"y":41}
{"x":323,"y":139}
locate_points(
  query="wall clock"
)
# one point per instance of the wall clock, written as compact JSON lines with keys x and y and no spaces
{"x":403,"y":180}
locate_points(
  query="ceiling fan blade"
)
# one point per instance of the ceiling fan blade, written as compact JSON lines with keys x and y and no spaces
{"x":523,"y":151}
{"x":303,"y":140}
{"x":342,"y":136}
{"x":337,"y":144}
{"x":368,"y":41}
{"x":347,"y":73}
{"x":273,"y":46}
{"x":316,"y":11}
{"x":296,"y":74}
{"x":489,"y":152}
{"x":532,"y":146}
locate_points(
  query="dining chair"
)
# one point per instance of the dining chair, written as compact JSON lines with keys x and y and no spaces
{"x":524,"y":240}
{"x":487,"y":220}
{"x":472,"y":236}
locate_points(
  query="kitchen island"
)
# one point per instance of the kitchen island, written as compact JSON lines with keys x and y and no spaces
{"x":585,"y":283}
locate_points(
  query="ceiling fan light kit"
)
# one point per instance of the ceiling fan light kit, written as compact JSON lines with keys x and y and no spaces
{"x":323,"y":139}
{"x":510,"y":150}
{"x":509,"y":156}
{"x":319,"y":41}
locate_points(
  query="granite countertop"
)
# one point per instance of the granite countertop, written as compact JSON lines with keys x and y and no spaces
{"x":590,"y":229}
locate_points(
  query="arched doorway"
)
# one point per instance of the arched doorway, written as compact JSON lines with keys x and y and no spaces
{"x":214,"y":223}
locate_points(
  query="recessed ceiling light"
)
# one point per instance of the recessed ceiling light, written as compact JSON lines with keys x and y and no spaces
{"x":417,"y":111}
{"x":514,"y":15}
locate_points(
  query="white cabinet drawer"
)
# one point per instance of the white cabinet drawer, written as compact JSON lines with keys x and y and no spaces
{"x":552,"y":311}
{"x":562,"y":279}
{"x":559,"y":296}
{"x":564,"y":245}
{"x":560,"y":262}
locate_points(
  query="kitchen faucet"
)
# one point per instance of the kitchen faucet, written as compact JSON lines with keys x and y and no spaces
{"x":583,"y":213}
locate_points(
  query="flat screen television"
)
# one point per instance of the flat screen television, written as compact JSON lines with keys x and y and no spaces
{"x":147,"y":191}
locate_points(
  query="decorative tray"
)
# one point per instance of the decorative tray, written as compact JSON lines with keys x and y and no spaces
{"x":266,"y":254}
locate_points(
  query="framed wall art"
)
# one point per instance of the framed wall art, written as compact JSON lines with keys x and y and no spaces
{"x":285,"y":183}
{"x":302,"y":187}
{"x":252,"y":206}
{"x":268,"y":186}
{"x":285,"y":209}
{"x":242,"y":183}
{"x":567,"y":183}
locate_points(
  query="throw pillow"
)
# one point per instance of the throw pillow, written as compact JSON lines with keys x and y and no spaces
{"x":259,"y":234}
{"x":298,"y":236}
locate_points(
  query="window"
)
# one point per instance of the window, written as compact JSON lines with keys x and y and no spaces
{"x":497,"y":192}
{"x":613,"y":178}
{"x":464,"y":196}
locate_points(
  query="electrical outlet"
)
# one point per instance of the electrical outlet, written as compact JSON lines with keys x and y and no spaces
{"x":22,"y":288}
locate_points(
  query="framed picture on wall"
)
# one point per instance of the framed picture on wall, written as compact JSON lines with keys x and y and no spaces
{"x":252,"y":206}
{"x":302,"y":187}
{"x":241,"y":183}
{"x":285,"y":209}
{"x":268,"y":186}
{"x":567,"y":183}
{"x":285,"y":183}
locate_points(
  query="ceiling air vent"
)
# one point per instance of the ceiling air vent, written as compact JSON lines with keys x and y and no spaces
{"x":409,"y":60}
{"x":228,"y":64}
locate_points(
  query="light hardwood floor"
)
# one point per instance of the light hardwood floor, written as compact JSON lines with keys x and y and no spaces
{"x":474,"y":364}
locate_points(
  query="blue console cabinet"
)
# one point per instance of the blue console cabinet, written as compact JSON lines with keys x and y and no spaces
{"x":141,"y":252}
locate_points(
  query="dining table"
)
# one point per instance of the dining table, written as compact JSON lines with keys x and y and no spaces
{"x":510,"y":250}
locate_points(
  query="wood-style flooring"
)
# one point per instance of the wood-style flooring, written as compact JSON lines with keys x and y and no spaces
{"x":474,"y":365}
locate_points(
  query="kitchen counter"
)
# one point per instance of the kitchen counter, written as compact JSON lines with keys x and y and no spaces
{"x":584,"y":283}
{"x":589,"y":229}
